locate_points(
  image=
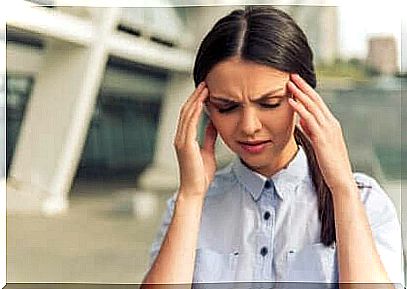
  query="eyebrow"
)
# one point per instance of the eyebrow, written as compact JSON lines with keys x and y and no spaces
{"x":264,"y":96}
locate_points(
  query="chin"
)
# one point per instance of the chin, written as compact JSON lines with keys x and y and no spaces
{"x":258,"y":161}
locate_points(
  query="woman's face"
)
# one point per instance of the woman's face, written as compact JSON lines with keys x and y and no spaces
{"x":248,"y":105}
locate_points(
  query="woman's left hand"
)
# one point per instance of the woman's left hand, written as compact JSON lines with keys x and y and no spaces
{"x":324,"y":132}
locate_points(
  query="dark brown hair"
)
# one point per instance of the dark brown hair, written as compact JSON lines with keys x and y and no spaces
{"x":269,"y":36}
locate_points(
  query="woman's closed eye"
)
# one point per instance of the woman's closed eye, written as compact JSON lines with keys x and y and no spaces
{"x":226,"y":108}
{"x":229,"y":108}
{"x":270,"y":105}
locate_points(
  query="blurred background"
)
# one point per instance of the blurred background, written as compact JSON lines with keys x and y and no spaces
{"x":92,"y":100}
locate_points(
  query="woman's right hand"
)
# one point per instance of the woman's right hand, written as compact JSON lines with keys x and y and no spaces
{"x":197,"y":165}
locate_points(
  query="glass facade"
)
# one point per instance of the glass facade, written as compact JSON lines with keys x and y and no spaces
{"x":122,"y":133}
{"x":18,"y":89}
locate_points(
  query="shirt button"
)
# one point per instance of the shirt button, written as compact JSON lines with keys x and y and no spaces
{"x":267,"y":184}
{"x":263,"y":251}
{"x":266,"y":215}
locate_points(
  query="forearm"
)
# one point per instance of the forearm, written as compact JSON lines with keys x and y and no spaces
{"x":358,"y":257}
{"x":175,"y":261}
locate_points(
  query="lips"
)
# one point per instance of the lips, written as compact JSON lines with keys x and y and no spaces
{"x":253,"y":142}
{"x":254,"y":147}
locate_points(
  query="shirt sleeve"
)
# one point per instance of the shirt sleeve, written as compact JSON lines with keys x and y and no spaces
{"x":159,"y":238}
{"x":385,"y":226}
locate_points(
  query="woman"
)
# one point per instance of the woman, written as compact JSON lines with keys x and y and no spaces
{"x":288,"y":208}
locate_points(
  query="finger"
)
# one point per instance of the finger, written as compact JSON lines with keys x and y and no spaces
{"x":210,"y":138}
{"x":192,"y":121}
{"x":197,"y":93}
{"x":185,"y":110}
{"x":192,"y":107}
{"x":307,"y":102}
{"x":307,"y":89}
{"x":191,"y":99}
{"x":310,"y":120}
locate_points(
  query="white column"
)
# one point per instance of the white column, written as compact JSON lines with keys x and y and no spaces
{"x":56,"y":121}
{"x":162,"y":175}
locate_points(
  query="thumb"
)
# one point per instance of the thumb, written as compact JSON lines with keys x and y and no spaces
{"x":210,"y":137}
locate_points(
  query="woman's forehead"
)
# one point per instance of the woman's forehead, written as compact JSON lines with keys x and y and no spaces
{"x":237,"y":79}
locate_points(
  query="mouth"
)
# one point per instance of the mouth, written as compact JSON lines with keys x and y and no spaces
{"x":254,"y":147}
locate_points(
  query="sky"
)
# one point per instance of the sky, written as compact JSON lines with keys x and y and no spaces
{"x":360,"y":19}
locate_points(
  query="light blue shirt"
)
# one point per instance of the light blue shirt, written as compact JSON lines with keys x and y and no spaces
{"x":259,"y":229}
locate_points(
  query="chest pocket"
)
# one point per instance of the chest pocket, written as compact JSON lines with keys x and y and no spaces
{"x":313,"y":263}
{"x":212,"y":266}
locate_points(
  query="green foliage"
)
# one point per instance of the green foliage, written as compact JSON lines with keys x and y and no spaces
{"x":353,"y":68}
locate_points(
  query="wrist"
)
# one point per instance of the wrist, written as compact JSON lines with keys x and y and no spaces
{"x":189,"y":196}
{"x":189,"y":205}
{"x":344,"y":188}
{"x":340,"y":181}
{"x":190,"y":193}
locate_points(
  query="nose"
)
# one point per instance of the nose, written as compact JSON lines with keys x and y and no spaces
{"x":249,"y":123}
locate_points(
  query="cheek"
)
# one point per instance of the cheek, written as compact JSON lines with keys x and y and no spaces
{"x":280,"y":123}
{"x":224,"y":126}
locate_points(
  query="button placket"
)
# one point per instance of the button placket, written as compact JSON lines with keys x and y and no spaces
{"x":265,"y":240}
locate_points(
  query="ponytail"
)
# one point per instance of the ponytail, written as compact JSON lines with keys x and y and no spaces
{"x":325,"y":202}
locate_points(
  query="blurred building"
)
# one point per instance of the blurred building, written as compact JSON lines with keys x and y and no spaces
{"x":85,"y":90}
{"x":95,"y":92}
{"x":320,"y":24}
{"x":382,"y":54}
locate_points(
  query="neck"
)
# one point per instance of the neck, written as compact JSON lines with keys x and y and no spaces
{"x":287,"y":155}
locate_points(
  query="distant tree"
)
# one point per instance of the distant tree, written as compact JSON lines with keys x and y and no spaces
{"x":355,"y":62}
{"x":371,"y":71}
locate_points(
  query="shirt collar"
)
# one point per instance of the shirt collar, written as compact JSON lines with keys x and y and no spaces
{"x":284,"y":180}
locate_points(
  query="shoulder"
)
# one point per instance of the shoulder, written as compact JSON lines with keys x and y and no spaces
{"x":364,"y":179}
{"x":369,"y":187}
{"x":378,"y":204}
{"x":385,"y":225}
